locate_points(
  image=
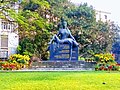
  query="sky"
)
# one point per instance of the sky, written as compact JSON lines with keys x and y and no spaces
{"x":112,"y":6}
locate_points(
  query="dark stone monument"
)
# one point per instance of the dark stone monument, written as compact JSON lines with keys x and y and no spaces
{"x":63,"y":46}
{"x":62,"y":52}
{"x":116,"y":51}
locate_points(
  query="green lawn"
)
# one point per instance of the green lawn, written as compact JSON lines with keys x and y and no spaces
{"x":59,"y":81}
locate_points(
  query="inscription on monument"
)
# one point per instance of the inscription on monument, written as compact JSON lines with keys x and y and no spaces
{"x":63,"y":52}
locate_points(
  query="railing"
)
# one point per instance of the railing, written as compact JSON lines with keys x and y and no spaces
{"x":66,"y":65}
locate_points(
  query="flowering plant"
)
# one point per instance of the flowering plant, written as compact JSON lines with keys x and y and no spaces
{"x":5,"y":65}
{"x":24,"y":59}
{"x":104,"y":57}
{"x":16,"y":61}
{"x":105,"y":62}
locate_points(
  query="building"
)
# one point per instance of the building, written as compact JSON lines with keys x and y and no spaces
{"x":102,"y":15}
{"x":9,"y":38}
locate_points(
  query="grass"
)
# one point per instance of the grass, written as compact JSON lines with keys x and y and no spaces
{"x":59,"y":81}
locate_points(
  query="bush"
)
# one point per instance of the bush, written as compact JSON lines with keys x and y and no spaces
{"x":8,"y":66}
{"x":15,"y":62}
{"x":22,"y":59}
{"x":107,"y":57}
{"x":89,"y":59}
{"x":81,"y":58}
{"x":105,"y":62}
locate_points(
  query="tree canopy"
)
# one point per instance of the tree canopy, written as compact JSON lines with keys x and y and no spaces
{"x":38,"y":19}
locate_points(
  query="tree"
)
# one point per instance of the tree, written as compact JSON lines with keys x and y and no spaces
{"x":32,"y":28}
{"x":93,"y":36}
{"x":38,"y":19}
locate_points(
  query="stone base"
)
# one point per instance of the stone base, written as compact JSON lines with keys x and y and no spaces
{"x":61,"y":52}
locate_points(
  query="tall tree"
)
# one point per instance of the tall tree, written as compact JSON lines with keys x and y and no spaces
{"x":38,"y":19}
{"x":32,"y":28}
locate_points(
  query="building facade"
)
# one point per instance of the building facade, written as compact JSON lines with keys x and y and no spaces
{"x":9,"y":38}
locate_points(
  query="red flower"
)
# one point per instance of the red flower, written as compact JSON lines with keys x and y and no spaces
{"x":101,"y":68}
{"x":110,"y":67}
{"x":12,"y":66}
{"x":113,"y":55}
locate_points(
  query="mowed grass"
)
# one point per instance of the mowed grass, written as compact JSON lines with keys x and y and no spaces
{"x":60,"y":80}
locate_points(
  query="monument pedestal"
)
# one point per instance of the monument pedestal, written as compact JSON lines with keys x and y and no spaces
{"x":61,"y":52}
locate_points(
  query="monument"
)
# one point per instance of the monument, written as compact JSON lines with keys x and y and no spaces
{"x":63,"y":46}
{"x":116,"y":51}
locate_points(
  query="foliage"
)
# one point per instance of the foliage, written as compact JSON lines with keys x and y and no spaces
{"x":26,"y":47}
{"x":23,"y":59}
{"x":92,"y":35}
{"x":33,"y":33}
{"x":15,"y":62}
{"x":106,"y":62}
{"x":34,"y":47}
{"x":81,"y":58}
{"x":91,"y":59}
{"x":4,"y":65}
{"x":38,"y":19}
{"x":107,"y":57}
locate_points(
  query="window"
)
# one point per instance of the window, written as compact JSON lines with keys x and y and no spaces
{"x":4,"y":46}
{"x":4,"y":41}
{"x":7,"y":26}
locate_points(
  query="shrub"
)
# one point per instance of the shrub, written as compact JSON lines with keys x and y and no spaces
{"x":8,"y":66}
{"x":22,"y":59}
{"x":15,"y":62}
{"x":107,"y":57}
{"x":105,"y":62}
{"x":89,"y":59}
{"x":81,"y":58}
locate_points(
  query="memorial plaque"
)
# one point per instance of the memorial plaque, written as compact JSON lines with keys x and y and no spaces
{"x":61,"y":52}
